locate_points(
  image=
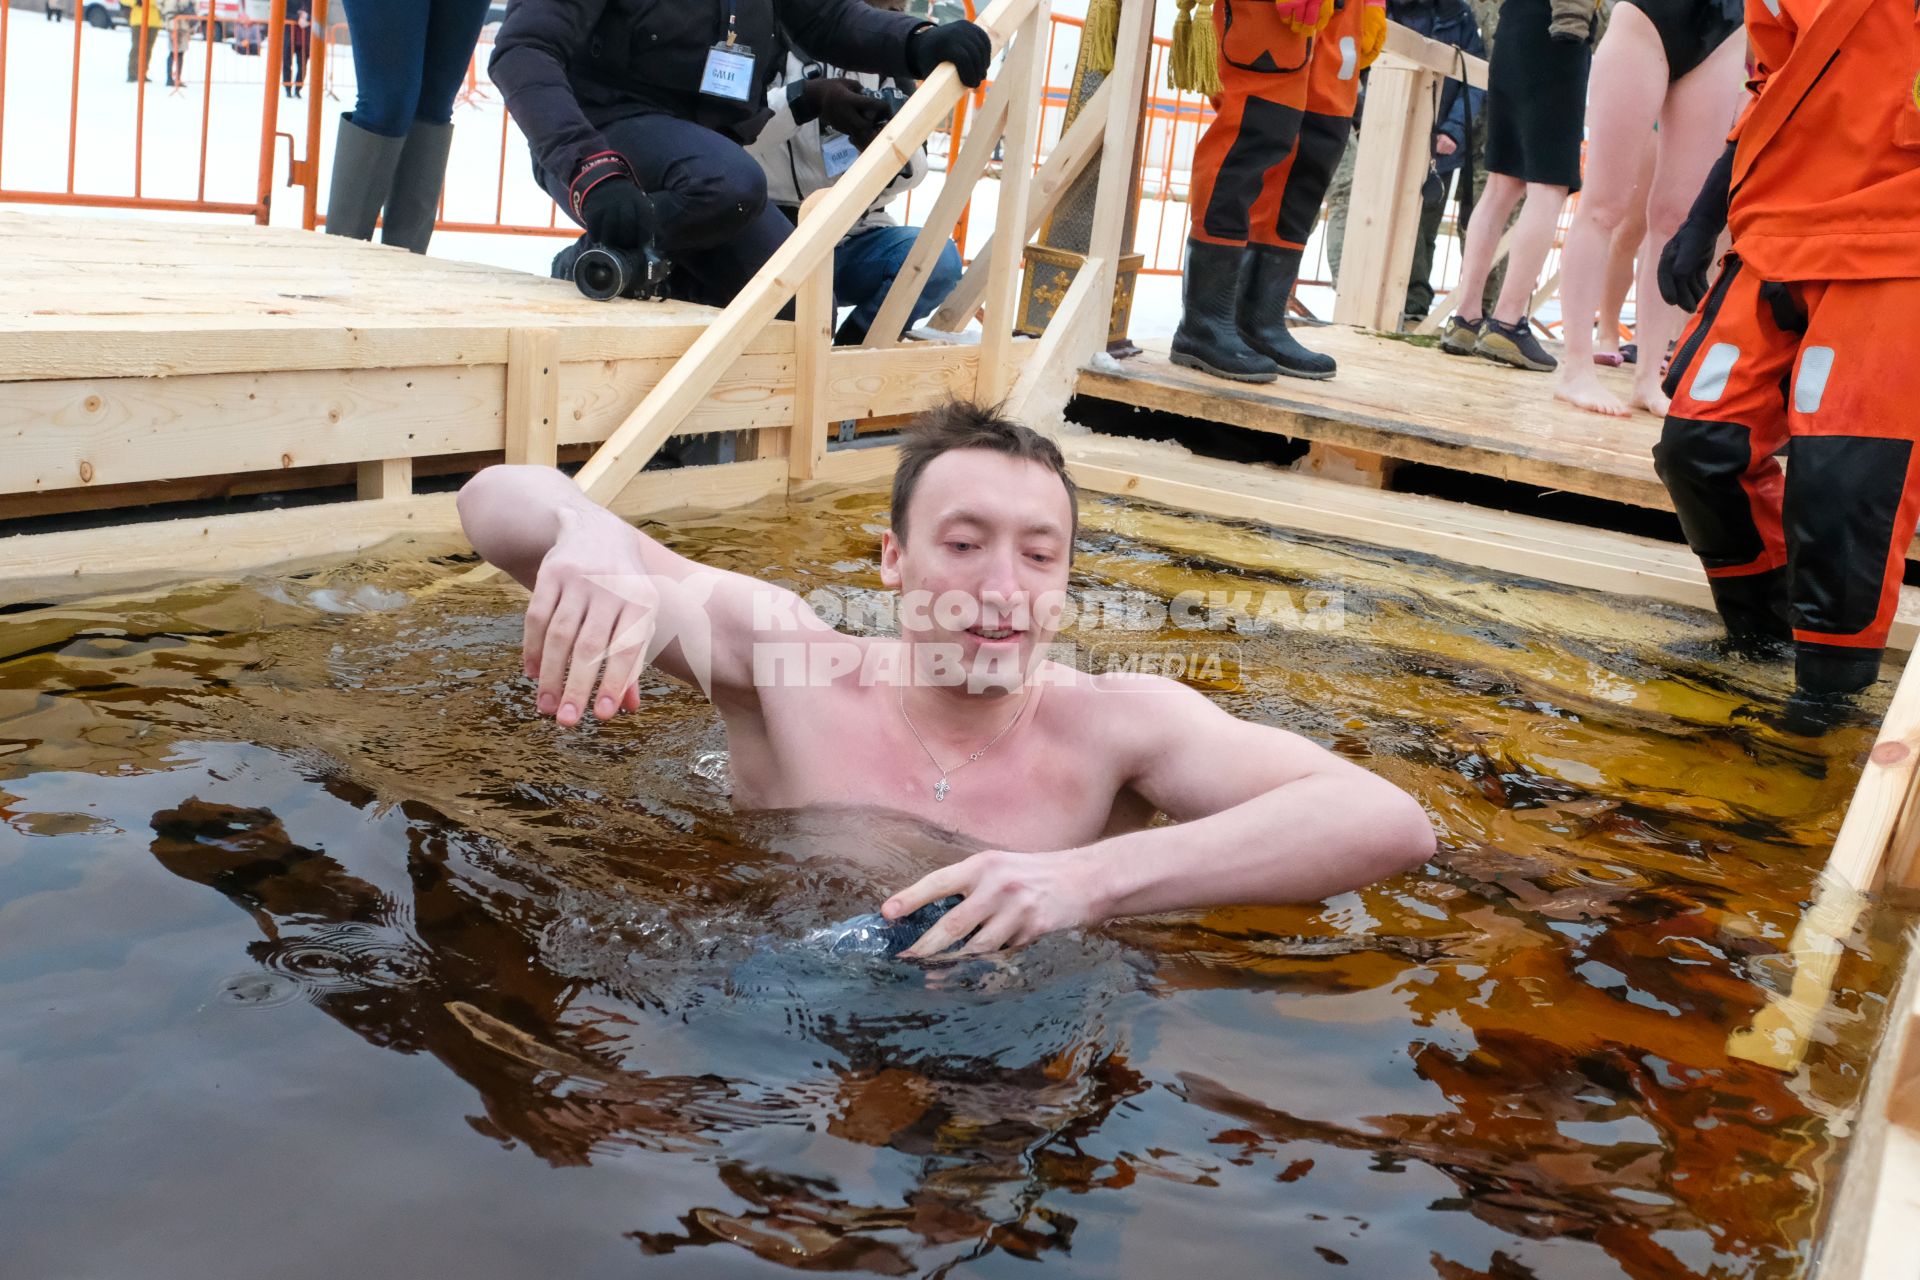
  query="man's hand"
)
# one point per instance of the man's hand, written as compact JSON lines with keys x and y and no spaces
{"x":1685,"y":264}
{"x":1444,"y":145}
{"x":1011,"y":899}
{"x":1305,"y":17}
{"x":618,"y":215}
{"x":968,"y":47}
{"x":577,"y":621}
{"x":839,"y":103}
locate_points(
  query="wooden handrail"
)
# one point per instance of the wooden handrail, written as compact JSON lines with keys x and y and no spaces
{"x":634,"y":442}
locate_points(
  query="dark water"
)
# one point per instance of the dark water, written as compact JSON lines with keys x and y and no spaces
{"x":320,"y":956}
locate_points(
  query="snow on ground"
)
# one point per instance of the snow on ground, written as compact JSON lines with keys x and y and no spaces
{"x":43,"y":134}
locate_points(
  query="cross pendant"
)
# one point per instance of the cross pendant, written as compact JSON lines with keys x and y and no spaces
{"x":940,"y":789}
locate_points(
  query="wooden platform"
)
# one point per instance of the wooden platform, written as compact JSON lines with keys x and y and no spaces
{"x":1413,"y":403}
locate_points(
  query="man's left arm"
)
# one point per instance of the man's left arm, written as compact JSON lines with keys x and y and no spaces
{"x":859,"y":37}
{"x":1261,"y":816}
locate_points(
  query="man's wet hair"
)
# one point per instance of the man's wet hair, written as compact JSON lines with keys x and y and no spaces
{"x":964,"y":424}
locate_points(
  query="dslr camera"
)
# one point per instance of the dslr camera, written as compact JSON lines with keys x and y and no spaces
{"x":604,"y":273}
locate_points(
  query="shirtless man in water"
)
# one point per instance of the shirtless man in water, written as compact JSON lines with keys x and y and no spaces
{"x":961,"y":719}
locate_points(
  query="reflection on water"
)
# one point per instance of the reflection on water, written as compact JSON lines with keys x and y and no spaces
{"x":592,"y":1029}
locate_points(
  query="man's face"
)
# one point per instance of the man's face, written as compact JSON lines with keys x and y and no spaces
{"x":984,"y":565}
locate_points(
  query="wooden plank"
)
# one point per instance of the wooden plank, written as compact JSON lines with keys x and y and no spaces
{"x":984,"y":128}
{"x":1027,"y":70}
{"x":1348,"y":466}
{"x":386,"y":480}
{"x":1071,"y":154}
{"x":628,"y":449}
{"x":1077,"y":329}
{"x":120,"y":430}
{"x":881,"y":382}
{"x":533,"y":397}
{"x":812,"y":340}
{"x":871,"y":467}
{"x":37,"y":567}
{"x":1414,"y":404}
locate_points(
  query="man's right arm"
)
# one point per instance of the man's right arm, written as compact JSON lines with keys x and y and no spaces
{"x":606,"y":594}
{"x":536,"y":44}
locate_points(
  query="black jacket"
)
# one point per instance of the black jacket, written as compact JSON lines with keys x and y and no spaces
{"x":568,"y":67}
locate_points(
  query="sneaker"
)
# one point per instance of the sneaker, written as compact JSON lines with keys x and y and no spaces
{"x":1513,"y":344}
{"x":1458,"y":337}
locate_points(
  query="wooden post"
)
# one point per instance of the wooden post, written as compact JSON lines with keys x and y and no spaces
{"x":812,"y":340}
{"x":1395,"y":139}
{"x":533,"y":397}
{"x":386,"y":480}
{"x":1026,"y":70}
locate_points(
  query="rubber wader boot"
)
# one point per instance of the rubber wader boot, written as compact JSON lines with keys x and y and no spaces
{"x":1207,"y":338}
{"x":414,"y":198}
{"x":1265,"y":290}
{"x":363,"y":165}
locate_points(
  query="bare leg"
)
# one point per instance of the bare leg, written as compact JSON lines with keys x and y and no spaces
{"x":1624,"y":97}
{"x":1693,"y":129}
{"x":1527,"y":250}
{"x":1627,"y":243}
{"x":1490,"y":213}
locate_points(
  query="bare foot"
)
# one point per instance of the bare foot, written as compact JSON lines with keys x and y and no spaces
{"x":1648,"y":395}
{"x":1578,"y":387}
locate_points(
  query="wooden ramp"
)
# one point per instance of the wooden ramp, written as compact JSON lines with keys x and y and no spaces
{"x":145,"y":362}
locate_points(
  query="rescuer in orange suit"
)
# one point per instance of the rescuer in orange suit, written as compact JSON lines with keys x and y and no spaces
{"x":1803,"y":344}
{"x":1289,"y":76}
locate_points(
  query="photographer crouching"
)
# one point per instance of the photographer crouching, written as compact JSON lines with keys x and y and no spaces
{"x":637,"y":114}
{"x":822,"y":119}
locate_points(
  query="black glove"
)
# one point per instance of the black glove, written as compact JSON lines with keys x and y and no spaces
{"x":967,"y":47}
{"x":1688,"y":257}
{"x":618,"y":215}
{"x":840,"y":103}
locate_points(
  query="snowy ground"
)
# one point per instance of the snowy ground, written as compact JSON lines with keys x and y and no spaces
{"x":488,"y":178}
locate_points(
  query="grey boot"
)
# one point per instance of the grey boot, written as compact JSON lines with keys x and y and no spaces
{"x":363,"y":165}
{"x":1265,"y":291}
{"x":414,"y":201}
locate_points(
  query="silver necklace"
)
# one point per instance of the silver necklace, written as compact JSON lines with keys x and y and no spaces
{"x":942,"y":787}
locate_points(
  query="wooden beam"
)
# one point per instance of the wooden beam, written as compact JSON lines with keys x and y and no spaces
{"x":1063,"y":164}
{"x":984,"y":128}
{"x":812,"y":340}
{"x":533,"y":397}
{"x":386,"y":480}
{"x":1076,"y":330}
{"x":1392,"y":163}
{"x":1870,"y":1231}
{"x":633,"y":443}
{"x":1407,"y":47}
{"x":1026,"y":69}
{"x":48,"y":566}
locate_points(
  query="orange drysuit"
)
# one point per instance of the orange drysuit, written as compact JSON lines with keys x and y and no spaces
{"x":1802,"y":347}
{"x":1282,"y":121}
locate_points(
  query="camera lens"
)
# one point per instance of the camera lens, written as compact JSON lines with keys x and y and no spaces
{"x":598,"y":275}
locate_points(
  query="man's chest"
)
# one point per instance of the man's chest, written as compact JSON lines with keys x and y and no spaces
{"x":1027,"y":791}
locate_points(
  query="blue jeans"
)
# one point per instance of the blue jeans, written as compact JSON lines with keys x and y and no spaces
{"x":864,"y":265}
{"x":411,"y":58}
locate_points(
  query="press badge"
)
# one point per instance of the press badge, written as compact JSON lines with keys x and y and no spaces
{"x":729,"y":72}
{"x":839,"y":153}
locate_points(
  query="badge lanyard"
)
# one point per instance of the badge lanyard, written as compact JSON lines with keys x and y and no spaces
{"x":729,"y":70}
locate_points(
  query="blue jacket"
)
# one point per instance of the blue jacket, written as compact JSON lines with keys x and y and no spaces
{"x":1449,"y":22}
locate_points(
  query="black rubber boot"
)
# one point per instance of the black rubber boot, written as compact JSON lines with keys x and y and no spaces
{"x":363,"y":165}
{"x":1265,"y":289}
{"x":413,"y":199}
{"x":1207,"y":338}
{"x":1755,"y":610}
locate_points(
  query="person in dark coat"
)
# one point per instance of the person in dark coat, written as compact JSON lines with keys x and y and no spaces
{"x":636,"y":113}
